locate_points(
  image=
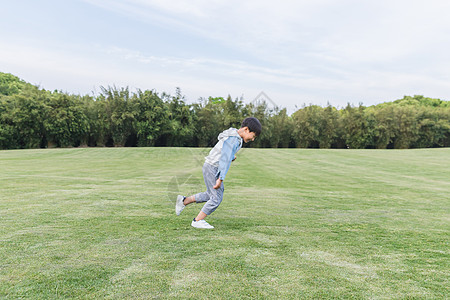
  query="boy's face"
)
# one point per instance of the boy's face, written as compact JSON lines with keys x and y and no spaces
{"x":247,"y":135}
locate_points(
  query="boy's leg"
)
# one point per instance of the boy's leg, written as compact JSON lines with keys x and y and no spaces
{"x":215,"y":198}
{"x":212,"y":197}
{"x":182,"y":201}
{"x":189,"y":200}
{"x":201,"y":215}
{"x":215,"y":195}
{"x":198,"y":198}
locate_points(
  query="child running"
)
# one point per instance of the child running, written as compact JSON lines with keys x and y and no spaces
{"x":215,"y":169}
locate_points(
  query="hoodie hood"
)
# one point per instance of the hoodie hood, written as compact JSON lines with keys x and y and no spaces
{"x":227,"y":133}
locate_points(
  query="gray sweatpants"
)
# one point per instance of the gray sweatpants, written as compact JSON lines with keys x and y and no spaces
{"x":212,"y":197}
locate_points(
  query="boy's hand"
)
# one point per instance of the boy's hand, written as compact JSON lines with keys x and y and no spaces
{"x":218,"y":183}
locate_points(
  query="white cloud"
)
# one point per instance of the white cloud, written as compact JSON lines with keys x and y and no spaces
{"x":296,"y":51}
{"x":283,"y":31}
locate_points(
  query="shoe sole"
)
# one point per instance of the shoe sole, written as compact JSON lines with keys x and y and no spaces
{"x":176,"y":206}
{"x":212,"y":227}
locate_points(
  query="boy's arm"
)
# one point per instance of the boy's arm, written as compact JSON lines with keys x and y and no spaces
{"x":226,"y":157}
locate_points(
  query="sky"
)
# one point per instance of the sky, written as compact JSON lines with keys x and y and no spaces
{"x":296,"y":52}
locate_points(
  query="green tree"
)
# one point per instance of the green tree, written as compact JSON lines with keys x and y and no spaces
{"x":232,"y":112}
{"x":358,"y":125}
{"x":10,"y":84}
{"x":307,"y":126}
{"x":328,"y":126}
{"x":181,"y":127}
{"x":121,"y":112}
{"x":419,"y":100}
{"x":7,"y":126}
{"x":153,"y":118}
{"x":386,"y":126}
{"x":31,"y":117}
{"x":98,"y":130}
{"x":27,"y":116}
{"x":209,"y":122}
{"x":65,"y":123}
{"x":433,"y":127}
{"x":279,"y":129}
{"x":406,"y":127}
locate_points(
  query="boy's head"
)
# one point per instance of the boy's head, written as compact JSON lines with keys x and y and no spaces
{"x":250,"y":129}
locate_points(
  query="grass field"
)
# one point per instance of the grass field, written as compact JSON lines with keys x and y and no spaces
{"x":100,"y":223}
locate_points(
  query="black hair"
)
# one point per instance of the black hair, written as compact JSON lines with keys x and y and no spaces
{"x":252,"y":124}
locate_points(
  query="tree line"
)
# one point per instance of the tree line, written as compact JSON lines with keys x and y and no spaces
{"x":31,"y":117}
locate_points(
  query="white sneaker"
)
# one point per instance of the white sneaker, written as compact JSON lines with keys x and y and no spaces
{"x":179,"y":205}
{"x":201,"y":224}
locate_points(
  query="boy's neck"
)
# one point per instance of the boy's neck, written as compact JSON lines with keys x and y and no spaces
{"x":241,"y":131}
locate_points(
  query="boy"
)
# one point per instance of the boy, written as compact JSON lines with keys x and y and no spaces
{"x":216,"y":167}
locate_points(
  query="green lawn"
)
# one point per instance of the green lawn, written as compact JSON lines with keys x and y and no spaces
{"x":294,"y":223}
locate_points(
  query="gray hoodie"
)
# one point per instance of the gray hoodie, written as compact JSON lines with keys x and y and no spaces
{"x":221,"y":156}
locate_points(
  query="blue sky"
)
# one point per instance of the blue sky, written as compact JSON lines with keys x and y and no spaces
{"x":297,"y":52}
